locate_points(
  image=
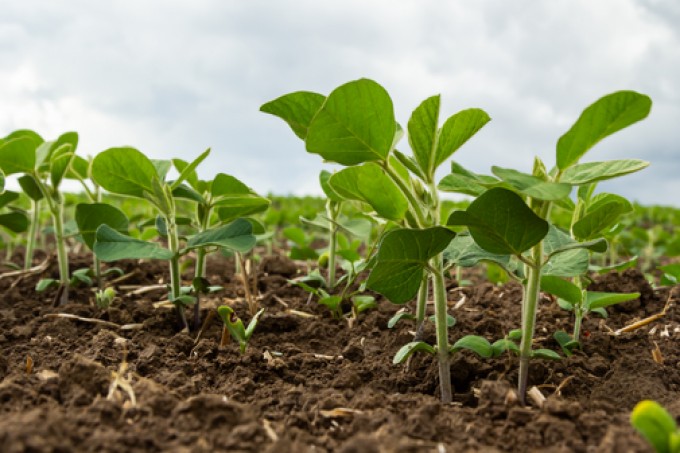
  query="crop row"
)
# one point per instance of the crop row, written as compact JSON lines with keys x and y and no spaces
{"x":508,"y":223}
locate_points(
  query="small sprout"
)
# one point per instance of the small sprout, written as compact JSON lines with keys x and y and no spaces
{"x":104,"y":298}
{"x":45,"y":284}
{"x":398,"y":316}
{"x":656,"y":425}
{"x":235,"y":326}
{"x":363,"y":303}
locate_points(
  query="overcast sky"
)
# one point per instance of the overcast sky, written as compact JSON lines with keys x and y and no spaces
{"x":173,"y":78}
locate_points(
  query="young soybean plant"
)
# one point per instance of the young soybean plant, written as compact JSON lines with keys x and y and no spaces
{"x":43,"y":166}
{"x":355,"y":127}
{"x":511,"y":217}
{"x":127,"y":171}
{"x":654,"y":422}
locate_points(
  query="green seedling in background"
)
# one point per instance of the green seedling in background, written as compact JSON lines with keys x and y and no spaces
{"x":657,"y":426}
{"x":510,"y":215}
{"x":355,"y":126}
{"x":126,"y":171}
{"x":234,"y":325}
{"x":13,"y":220}
{"x":43,"y":166}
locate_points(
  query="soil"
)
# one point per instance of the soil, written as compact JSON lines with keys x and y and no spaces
{"x":316,"y":384}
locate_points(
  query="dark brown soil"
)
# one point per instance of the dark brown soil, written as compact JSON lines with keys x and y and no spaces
{"x":317,"y":384}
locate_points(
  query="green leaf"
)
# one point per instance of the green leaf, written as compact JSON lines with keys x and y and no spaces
{"x":590,"y":172}
{"x":355,"y":124}
{"x":409,"y":163}
{"x":398,"y":317}
{"x":566,"y":341}
{"x":191,"y":177}
{"x":363,"y":303}
{"x":562,"y":289}
{"x":601,"y":215}
{"x":16,"y":221}
{"x":655,"y":424}
{"x":500,"y":222}
{"x":162,"y":167}
{"x":532,"y":186}
{"x":331,"y":194}
{"x":89,"y":217}
{"x":297,"y":109}
{"x":423,"y":131}
{"x":234,"y":199}
{"x":545,"y":354}
{"x":370,"y":184}
{"x":19,"y":133}
{"x":18,"y":155}
{"x":237,"y":236}
{"x":502,"y":345}
{"x":458,"y":183}
{"x":7,"y":197}
{"x":332,"y":302}
{"x":60,"y":163}
{"x":190,"y":170}
{"x":457,"y":130}
{"x":125,"y":171}
{"x":188,"y":193}
{"x":450,"y":320}
{"x":415,"y":346}
{"x":45,"y":284}
{"x":607,"y":115}
{"x":30,"y":187}
{"x":79,"y":169}
{"x":567,"y":258}
{"x":401,"y":259}
{"x":478,"y":345}
{"x":463,"y":251}
{"x":2,"y":182}
{"x":595,"y":299}
{"x":110,"y":245}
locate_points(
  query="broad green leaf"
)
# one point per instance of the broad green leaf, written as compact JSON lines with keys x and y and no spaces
{"x":234,"y":199}
{"x":463,"y":251}
{"x":502,"y":345}
{"x":500,"y":222}
{"x":18,"y":155}
{"x":457,"y":130}
{"x":188,"y":193}
{"x":297,"y":235}
{"x":566,"y":341}
{"x":67,"y":138}
{"x":190,"y":170}
{"x":590,"y":172}
{"x":398,"y":317}
{"x":655,"y":424}
{"x":370,"y":184}
{"x":30,"y":187}
{"x":562,"y":288}
{"x":7,"y":197}
{"x":601,"y":215}
{"x":605,"y":116}
{"x":90,"y":217}
{"x":545,"y":354}
{"x":363,"y":303}
{"x":476,"y":344}
{"x":458,"y":183}
{"x":331,"y":302}
{"x":237,"y":236}
{"x":355,"y":124}
{"x":125,"y":171}
{"x":34,"y":136}
{"x":532,"y":186}
{"x":567,"y":259}
{"x":618,"y":267}
{"x":331,"y":194}
{"x":16,"y":221}
{"x":297,"y":109}
{"x":402,"y":256}
{"x":45,"y":284}
{"x":110,"y":245}
{"x":60,"y":163}
{"x":595,"y":299}
{"x":423,"y":130}
{"x":405,"y":351}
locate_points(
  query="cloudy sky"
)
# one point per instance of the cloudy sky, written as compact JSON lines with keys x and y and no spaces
{"x":175,"y":77}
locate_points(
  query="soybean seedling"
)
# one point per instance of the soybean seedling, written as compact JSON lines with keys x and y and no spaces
{"x":126,"y":171}
{"x":355,"y":126}
{"x":43,"y":166}
{"x":510,"y":215}
{"x":234,"y":325}
{"x":657,"y":426}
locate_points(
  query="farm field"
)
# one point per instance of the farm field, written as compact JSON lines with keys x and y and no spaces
{"x":160,"y":311}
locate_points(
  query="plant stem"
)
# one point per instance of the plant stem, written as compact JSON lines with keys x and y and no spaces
{"x":30,"y":243}
{"x":62,"y":257}
{"x":421,"y":306}
{"x":252,"y":306}
{"x":332,"y":210}
{"x":529,"y":306}
{"x":440,"y":312}
{"x":175,"y":276}
{"x":577,"y":323}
